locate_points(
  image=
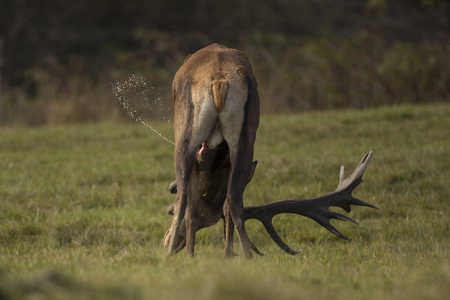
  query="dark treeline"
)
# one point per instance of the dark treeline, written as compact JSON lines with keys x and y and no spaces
{"x":58,"y":58}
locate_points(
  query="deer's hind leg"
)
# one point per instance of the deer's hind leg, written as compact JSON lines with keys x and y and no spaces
{"x":191,"y":133}
{"x":184,"y":162}
{"x":240,"y":138}
{"x":235,"y":200}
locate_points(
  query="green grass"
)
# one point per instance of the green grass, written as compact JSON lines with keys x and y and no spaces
{"x":82,"y":212}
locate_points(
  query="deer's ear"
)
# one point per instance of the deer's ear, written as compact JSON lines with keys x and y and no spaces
{"x":170,"y":209}
{"x":173,"y":187}
{"x":252,"y":171}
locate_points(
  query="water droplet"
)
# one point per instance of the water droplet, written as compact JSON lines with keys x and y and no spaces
{"x":140,"y":100}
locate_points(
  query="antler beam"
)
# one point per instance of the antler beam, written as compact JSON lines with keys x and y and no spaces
{"x":316,"y":208}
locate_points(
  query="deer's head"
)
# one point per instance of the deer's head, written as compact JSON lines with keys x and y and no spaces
{"x":213,"y":167}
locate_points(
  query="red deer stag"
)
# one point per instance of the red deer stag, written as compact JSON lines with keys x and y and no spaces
{"x":216,"y":108}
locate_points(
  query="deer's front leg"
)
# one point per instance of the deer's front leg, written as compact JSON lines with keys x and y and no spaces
{"x":228,"y":232}
{"x":179,"y":210}
{"x":192,"y":218}
{"x":192,"y":222}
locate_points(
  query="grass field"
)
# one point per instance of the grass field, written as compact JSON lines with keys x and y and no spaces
{"x":82,"y":212}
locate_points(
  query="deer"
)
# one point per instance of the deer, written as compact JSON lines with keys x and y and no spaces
{"x":216,"y":116}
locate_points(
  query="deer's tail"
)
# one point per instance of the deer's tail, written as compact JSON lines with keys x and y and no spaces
{"x":220,"y":92}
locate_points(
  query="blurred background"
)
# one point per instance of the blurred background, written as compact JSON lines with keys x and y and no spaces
{"x":59,"y":59}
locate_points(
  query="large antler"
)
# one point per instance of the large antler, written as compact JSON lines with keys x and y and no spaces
{"x":316,"y":208}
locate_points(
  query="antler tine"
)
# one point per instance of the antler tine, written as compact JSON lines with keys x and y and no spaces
{"x":276,"y":238}
{"x":316,"y":208}
{"x":326,"y":223}
{"x":356,"y":177}
{"x":253,"y":247}
{"x":362,"y":203}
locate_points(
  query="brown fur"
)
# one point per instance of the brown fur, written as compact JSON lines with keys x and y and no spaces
{"x":214,"y":89}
